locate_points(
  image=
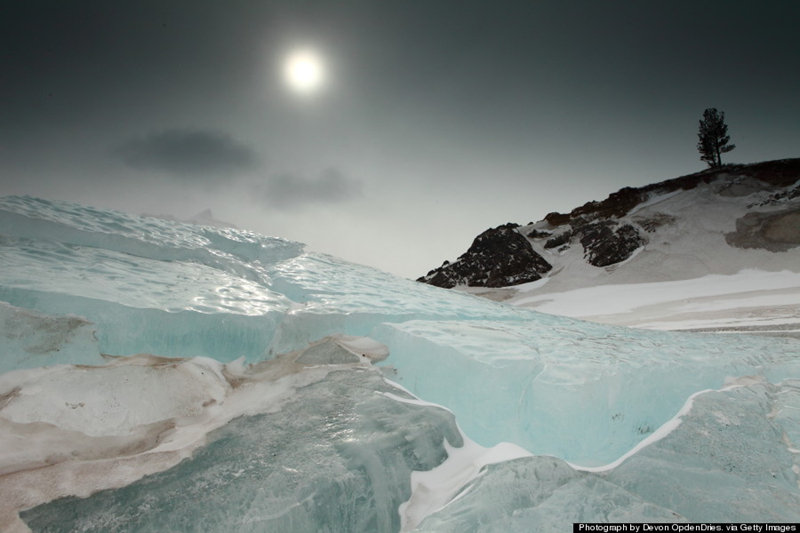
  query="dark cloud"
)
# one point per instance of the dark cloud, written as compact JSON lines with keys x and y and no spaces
{"x":289,"y":190}
{"x":188,"y":153}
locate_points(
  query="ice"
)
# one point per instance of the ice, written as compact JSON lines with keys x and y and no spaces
{"x":336,"y":296}
{"x":158,"y":376}
{"x":583,"y":392}
{"x":343,"y":349}
{"x":337,"y":457}
{"x":140,"y":304}
{"x":723,"y":460}
{"x":540,"y":494}
{"x":30,"y":339}
{"x":435,"y":488}
{"x":147,"y":237}
{"x":727,"y":460}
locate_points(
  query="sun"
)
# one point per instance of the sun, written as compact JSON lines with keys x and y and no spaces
{"x":304,"y":71}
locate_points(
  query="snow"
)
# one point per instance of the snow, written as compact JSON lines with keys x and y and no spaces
{"x":434,"y":489}
{"x":642,"y":304}
{"x":161,"y":376}
{"x":655,"y":199}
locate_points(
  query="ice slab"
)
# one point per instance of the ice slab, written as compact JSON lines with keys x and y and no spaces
{"x":725,"y":459}
{"x":335,"y":296}
{"x":336,"y":456}
{"x":583,"y":392}
{"x":30,"y":339}
{"x":728,"y":460}
{"x":147,"y":237}
{"x":178,"y":290}
{"x":542,"y":494}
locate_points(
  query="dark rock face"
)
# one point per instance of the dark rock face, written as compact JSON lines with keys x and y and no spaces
{"x":498,"y":257}
{"x":558,"y":240}
{"x":538,"y":234}
{"x":557,"y":219}
{"x":607,"y":243}
{"x":616,"y":205}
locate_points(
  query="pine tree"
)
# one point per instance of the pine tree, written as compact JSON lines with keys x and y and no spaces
{"x":713,"y":137}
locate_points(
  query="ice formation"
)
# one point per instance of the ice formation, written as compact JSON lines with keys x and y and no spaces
{"x":159,"y":376}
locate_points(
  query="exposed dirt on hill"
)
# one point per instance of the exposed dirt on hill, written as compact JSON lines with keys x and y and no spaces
{"x":780,"y":173}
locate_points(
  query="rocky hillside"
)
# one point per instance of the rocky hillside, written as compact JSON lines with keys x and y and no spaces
{"x":717,"y":221}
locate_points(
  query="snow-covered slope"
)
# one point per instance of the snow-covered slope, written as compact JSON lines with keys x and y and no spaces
{"x":158,"y":376}
{"x":715,"y":250}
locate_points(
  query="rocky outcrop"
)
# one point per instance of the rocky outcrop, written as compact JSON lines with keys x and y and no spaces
{"x":776,"y":232}
{"x":559,"y":239}
{"x":607,"y":243}
{"x":498,"y":257}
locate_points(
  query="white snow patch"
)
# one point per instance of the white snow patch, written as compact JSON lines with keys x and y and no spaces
{"x":434,"y":489}
{"x":616,"y":299}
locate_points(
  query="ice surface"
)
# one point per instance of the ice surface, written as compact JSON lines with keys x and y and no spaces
{"x":30,"y":339}
{"x":152,"y":238}
{"x":161,"y":376}
{"x":540,"y":494}
{"x":337,"y":457}
{"x":725,"y":460}
{"x":583,"y":392}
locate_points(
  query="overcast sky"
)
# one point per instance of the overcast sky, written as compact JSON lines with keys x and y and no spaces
{"x":434,"y":121}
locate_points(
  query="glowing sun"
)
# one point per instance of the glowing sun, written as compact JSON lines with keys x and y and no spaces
{"x":304,"y":71}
